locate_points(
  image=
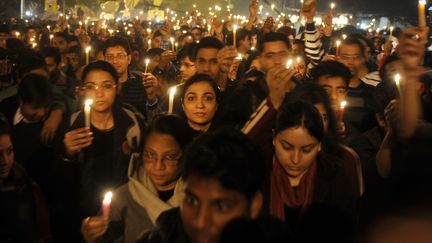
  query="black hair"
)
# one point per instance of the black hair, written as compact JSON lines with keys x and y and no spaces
{"x":207,"y":42}
{"x":30,"y":62}
{"x":187,"y":51}
{"x":172,"y":125}
{"x":196,"y":28}
{"x":36,"y":90}
{"x":331,"y":69}
{"x":117,"y":41}
{"x":272,"y":37}
{"x":74,"y":50}
{"x":229,"y":157}
{"x":5,"y":128}
{"x":383,"y":94}
{"x":314,"y":94}
{"x":62,"y":35}
{"x":241,"y":34}
{"x":53,"y":52}
{"x":4,"y":28}
{"x":300,"y":114}
{"x":356,"y":41}
{"x":156,"y":34}
{"x":197,"y":78}
{"x":154,"y":52}
{"x":100,"y":66}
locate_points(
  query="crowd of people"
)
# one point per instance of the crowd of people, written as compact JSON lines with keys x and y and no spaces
{"x":212,"y":133}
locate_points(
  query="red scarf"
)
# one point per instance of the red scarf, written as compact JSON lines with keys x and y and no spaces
{"x":282,"y":193}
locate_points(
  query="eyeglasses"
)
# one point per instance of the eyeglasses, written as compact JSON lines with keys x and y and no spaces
{"x":110,"y":57}
{"x":104,"y":86}
{"x":167,"y":160}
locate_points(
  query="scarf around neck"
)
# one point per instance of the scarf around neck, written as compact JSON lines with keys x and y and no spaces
{"x":283,"y":194}
{"x":145,"y":194}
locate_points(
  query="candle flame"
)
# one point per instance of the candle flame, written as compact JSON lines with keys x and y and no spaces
{"x":332,"y":5}
{"x":234,"y":27}
{"x":88,"y":102}
{"x":239,"y":57}
{"x":147,"y":61}
{"x":88,"y":48}
{"x":343,"y":104}
{"x":338,"y":42}
{"x":172,"y":91}
{"x":397,"y":79}
{"x":422,"y":2}
{"x":289,"y":63}
{"x":107,"y":197}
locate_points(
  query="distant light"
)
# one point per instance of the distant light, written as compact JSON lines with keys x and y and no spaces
{"x":28,"y":13}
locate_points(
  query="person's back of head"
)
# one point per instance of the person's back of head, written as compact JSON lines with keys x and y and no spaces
{"x":52,"y":52}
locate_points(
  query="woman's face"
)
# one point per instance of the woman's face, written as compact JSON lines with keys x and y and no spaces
{"x":100,"y":86}
{"x":199,"y":105}
{"x":296,"y":150}
{"x":161,"y":155}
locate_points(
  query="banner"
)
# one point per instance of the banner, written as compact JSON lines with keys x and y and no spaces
{"x":50,"y":5}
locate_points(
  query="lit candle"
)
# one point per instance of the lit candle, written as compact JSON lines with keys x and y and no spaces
{"x":299,"y":59}
{"x":80,"y":24}
{"x":234,"y":35}
{"x":397,"y":79}
{"x":87,"y":51}
{"x":391,"y":31}
{"x":34,"y":45}
{"x":344,"y":36}
{"x":106,"y":204}
{"x":147,"y":61}
{"x":342,"y":111}
{"x":239,"y":57}
{"x":87,"y":110}
{"x":17,"y":34}
{"x":176,"y":46}
{"x":421,"y":13}
{"x":289,"y":63}
{"x":172,"y":92}
{"x":338,"y":43}
{"x":85,"y":24}
{"x":49,"y":28}
{"x":172,"y":43}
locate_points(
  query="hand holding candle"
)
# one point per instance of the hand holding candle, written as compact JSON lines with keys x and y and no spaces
{"x":87,"y":111}
{"x":342,"y":111}
{"x":106,"y":204}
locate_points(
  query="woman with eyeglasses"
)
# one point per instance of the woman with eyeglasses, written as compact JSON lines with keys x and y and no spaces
{"x":154,"y":185}
{"x":101,"y":152}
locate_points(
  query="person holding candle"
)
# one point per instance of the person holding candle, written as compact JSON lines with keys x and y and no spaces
{"x":117,"y":52}
{"x":154,"y":184}
{"x":104,"y":149}
{"x":360,"y":113}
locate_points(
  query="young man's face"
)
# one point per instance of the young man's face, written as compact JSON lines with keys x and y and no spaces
{"x":74,"y":60}
{"x":207,"y":62}
{"x":352,"y":57}
{"x":336,"y":90}
{"x":60,"y":43}
{"x":246,"y":43}
{"x":119,"y":58}
{"x":274,"y":53}
{"x":208,"y":207}
{"x":187,"y":68}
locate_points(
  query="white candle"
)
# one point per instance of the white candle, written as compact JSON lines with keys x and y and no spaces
{"x":338,"y":43}
{"x":87,"y":51}
{"x":397,"y":79}
{"x":391,"y":31}
{"x":421,"y":13}
{"x":172,"y":43}
{"x":106,"y":204}
{"x":172,"y":92}
{"x":147,"y":61}
{"x":87,"y":110}
{"x":234,"y":35}
{"x":51,"y":38}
